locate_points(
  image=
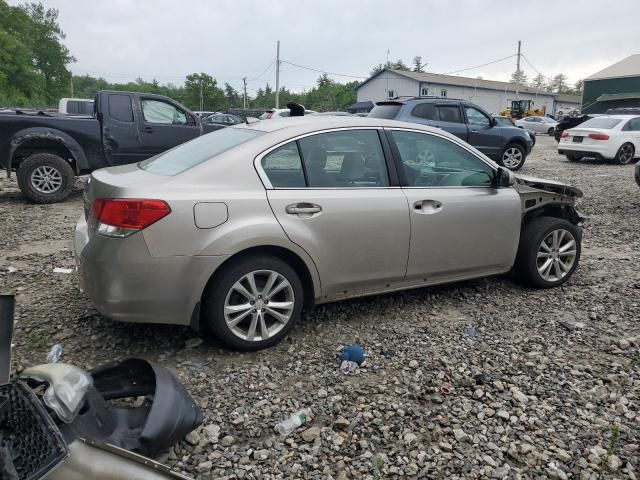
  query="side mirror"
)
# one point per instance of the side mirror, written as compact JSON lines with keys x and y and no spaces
{"x":504,"y":178}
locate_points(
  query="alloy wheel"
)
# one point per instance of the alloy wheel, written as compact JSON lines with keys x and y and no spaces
{"x":512,"y":157}
{"x":46,"y":179}
{"x":259,"y":305}
{"x":626,"y":154}
{"x":556,"y":255}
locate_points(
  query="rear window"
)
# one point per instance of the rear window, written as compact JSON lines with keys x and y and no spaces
{"x":388,"y":111}
{"x":600,"y":122}
{"x":197,"y":151}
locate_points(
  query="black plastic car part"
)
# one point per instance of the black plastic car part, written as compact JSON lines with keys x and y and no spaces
{"x":30,"y":443}
{"x":166,"y":414}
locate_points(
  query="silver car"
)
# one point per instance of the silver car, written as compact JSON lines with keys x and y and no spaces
{"x":239,"y":230}
{"x":538,"y":124}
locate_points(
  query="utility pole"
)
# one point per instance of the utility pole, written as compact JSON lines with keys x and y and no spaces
{"x":518,"y":72}
{"x":201,"y":96}
{"x":278,"y":76}
{"x":244,"y":100}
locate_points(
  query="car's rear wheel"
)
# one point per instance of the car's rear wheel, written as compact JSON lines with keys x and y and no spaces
{"x":573,"y":158}
{"x":513,"y":157}
{"x":253,"y":303}
{"x":45,"y":178}
{"x":625,"y":154}
{"x":549,"y":252}
{"x":551,"y":132}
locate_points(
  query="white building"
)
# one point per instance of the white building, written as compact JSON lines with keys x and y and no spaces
{"x":491,"y":95}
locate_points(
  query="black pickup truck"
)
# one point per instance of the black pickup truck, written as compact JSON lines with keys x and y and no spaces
{"x":48,"y":150}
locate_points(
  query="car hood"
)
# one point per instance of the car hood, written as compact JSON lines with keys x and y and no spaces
{"x":551,"y":186}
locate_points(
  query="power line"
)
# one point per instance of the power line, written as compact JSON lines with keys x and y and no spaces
{"x":535,"y":69}
{"x":479,"y":66}
{"x":322,"y":71}
{"x":259,"y":77}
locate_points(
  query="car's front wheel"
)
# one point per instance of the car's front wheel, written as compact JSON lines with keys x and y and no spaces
{"x":513,"y":157}
{"x":625,"y":154}
{"x":551,"y":132}
{"x":253,"y":303}
{"x":549,"y":252}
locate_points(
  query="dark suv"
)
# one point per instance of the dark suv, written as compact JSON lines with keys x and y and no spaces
{"x":507,"y":145}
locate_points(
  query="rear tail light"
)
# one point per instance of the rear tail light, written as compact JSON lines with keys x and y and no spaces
{"x":269,"y":115}
{"x":119,"y":217}
{"x":599,"y":136}
{"x":565,"y":134}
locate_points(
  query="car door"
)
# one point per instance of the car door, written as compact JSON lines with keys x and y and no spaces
{"x":120,"y":134}
{"x":461,"y":225}
{"x":448,"y":116}
{"x":331,"y":194}
{"x":482,"y":135}
{"x":164,"y":126}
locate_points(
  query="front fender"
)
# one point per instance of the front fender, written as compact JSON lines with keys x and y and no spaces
{"x":50,"y":134}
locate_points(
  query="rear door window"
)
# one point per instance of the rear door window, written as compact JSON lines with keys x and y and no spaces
{"x":449,"y":113}
{"x":283,"y":167}
{"x":423,"y":110}
{"x":388,"y":111}
{"x":120,"y":107}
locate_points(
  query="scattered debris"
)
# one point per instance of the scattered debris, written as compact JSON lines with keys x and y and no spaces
{"x":286,"y":427}
{"x":347,"y":367}
{"x":446,"y":388}
{"x":55,"y":353}
{"x":353,"y":353}
{"x":63,"y":270}
{"x":470,"y":332}
{"x":11,"y":269}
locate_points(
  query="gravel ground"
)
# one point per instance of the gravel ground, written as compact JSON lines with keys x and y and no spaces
{"x":549,"y":387}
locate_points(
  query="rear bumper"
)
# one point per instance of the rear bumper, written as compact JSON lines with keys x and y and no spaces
{"x":597,"y":151}
{"x":126,"y":283}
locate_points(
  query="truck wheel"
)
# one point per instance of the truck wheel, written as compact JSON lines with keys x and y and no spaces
{"x":253,"y":303}
{"x":513,"y":157}
{"x":548,"y":253}
{"x":45,"y":178}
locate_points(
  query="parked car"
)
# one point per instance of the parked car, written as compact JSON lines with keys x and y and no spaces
{"x":75,"y":106}
{"x":538,"y":124}
{"x":238,"y":230}
{"x":203,"y":114}
{"x":568,"y":122}
{"x":48,"y":150}
{"x":281,"y":112}
{"x":508,"y":122}
{"x":607,"y":137}
{"x":637,"y":173}
{"x":509,"y":146}
{"x":222,"y":120}
{"x":335,"y":114}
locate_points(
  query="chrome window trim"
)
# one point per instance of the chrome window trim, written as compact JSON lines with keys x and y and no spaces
{"x":257,"y":162}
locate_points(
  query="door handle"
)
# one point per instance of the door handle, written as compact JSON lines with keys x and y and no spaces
{"x":474,"y":131}
{"x":148,"y":129}
{"x":303,"y":208}
{"x":427,"y":206}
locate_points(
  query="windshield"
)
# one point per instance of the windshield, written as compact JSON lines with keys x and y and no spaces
{"x":199,"y":150}
{"x":388,"y":111}
{"x":601,"y":122}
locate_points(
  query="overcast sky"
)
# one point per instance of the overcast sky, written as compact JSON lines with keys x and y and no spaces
{"x":123,"y":39}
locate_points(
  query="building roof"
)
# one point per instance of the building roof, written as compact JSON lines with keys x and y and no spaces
{"x":628,"y":67}
{"x":568,"y":98}
{"x":461,"y":81}
{"x":608,"y":97}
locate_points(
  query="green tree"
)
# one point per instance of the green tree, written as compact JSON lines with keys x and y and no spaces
{"x":559,"y":84}
{"x":539,"y":82}
{"x":578,"y":86}
{"x":519,"y":77}
{"x":203,"y":87}
{"x":232,"y":96}
{"x":418,"y":66}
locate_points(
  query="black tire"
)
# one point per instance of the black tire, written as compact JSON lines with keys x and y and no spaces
{"x":505,"y":163}
{"x":551,"y":131}
{"x":221,"y":285}
{"x":59,"y":168}
{"x":534,"y":233}
{"x":625,"y":154}
{"x":573,"y":158}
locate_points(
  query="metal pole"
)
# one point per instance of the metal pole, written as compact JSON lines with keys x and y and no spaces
{"x":278,"y":76}
{"x":518,"y":72}
{"x":7,"y":306}
{"x":244,"y":100}
{"x":71,"y":81}
{"x":201,"y":97}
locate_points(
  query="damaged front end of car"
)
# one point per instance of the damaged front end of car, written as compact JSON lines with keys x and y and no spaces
{"x":548,"y":197}
{"x":63,"y":423}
